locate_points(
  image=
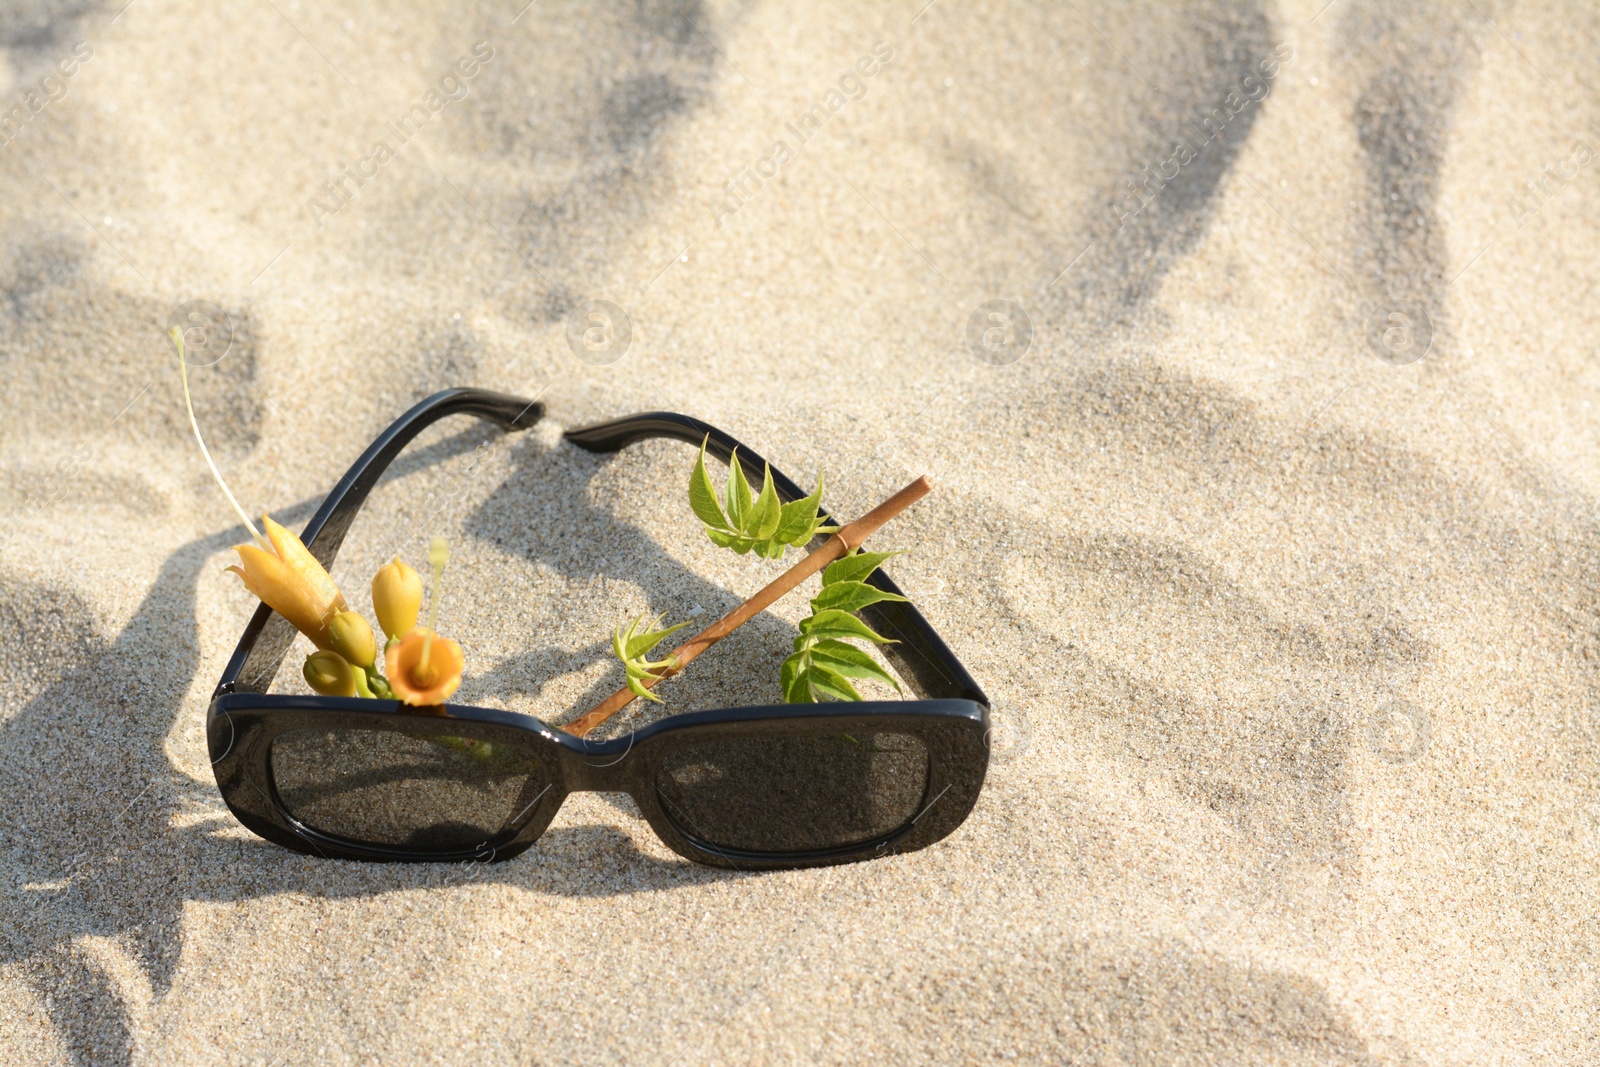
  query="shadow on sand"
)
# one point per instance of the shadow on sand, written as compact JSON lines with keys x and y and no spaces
{"x":114,"y":842}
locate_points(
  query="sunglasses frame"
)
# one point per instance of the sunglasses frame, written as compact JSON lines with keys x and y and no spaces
{"x":950,"y":718}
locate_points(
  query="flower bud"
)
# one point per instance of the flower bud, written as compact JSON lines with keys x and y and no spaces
{"x":352,"y":638}
{"x":330,"y":675}
{"x":397,"y":598}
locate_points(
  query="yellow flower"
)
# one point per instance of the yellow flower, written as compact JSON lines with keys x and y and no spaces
{"x":291,"y":582}
{"x":330,"y":675}
{"x":424,"y":668}
{"x":397,"y":598}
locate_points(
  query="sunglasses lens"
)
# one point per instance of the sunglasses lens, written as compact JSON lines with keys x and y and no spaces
{"x":794,"y":793}
{"x":423,"y":793}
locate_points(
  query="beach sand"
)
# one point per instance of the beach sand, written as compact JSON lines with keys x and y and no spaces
{"x":1269,"y":528}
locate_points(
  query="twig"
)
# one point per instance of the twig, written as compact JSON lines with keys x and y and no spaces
{"x":842,"y":543}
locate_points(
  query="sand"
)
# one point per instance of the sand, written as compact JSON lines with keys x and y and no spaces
{"x":1275,"y":548}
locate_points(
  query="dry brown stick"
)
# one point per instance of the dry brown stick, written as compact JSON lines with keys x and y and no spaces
{"x":845,"y":541}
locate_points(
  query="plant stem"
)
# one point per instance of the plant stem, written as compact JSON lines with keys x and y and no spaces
{"x":842,"y":543}
{"x":183,"y":371}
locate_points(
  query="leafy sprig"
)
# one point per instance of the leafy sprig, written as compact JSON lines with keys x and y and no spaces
{"x":823,"y":662}
{"x":752,"y":521}
{"x":631,"y":646}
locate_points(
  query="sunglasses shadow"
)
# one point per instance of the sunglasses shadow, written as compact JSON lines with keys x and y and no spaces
{"x":108,"y":841}
{"x":521,"y":678}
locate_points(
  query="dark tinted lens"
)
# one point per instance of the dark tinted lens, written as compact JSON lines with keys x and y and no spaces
{"x":433,"y":794}
{"x":794,"y":793}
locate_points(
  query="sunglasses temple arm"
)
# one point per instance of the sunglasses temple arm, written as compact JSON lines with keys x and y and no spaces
{"x":616,"y":434}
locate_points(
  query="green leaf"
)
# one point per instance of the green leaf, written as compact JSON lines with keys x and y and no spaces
{"x":831,"y":646}
{"x":826,"y":680}
{"x":761,"y":521}
{"x":799,"y":521}
{"x":639,"y":690}
{"x":851,"y":661}
{"x":639,"y":645}
{"x":739,"y":499}
{"x":795,"y":691}
{"x":631,"y":646}
{"x":850,"y":596}
{"x":737,"y":542}
{"x":703,"y":495}
{"x":836,"y":623}
{"x":854,"y":568}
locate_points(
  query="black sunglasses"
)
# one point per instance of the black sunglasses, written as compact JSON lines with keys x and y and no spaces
{"x":787,"y":785}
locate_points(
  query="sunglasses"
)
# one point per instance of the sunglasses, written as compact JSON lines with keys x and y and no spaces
{"x":786,"y":785}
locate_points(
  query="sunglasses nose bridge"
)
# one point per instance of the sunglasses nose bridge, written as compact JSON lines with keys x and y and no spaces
{"x":603,"y":768}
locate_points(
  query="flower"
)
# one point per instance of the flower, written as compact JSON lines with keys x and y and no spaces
{"x":291,"y":582}
{"x":330,"y":675}
{"x":351,"y":637}
{"x":397,"y":598}
{"x":423,"y":668}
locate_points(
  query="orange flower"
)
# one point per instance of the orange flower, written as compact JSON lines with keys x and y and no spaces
{"x":291,"y":582}
{"x":424,"y":668}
